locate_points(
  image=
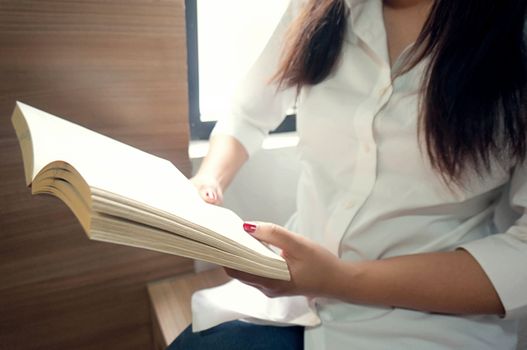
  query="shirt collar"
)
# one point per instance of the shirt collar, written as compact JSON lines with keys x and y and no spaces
{"x":366,"y":22}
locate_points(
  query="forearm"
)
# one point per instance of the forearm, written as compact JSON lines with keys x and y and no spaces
{"x":225,"y":157}
{"x":450,"y":282}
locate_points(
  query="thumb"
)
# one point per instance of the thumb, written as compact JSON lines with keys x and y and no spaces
{"x":272,"y":234}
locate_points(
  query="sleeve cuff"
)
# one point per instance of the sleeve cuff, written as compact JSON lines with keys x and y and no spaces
{"x":250,"y":136}
{"x":504,"y":260}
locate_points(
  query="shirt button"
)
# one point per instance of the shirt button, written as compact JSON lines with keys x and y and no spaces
{"x":366,"y":147}
{"x":349,"y":205}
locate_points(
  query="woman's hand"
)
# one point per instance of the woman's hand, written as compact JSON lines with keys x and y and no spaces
{"x":445,"y":282}
{"x":314,"y":270}
{"x":209,"y":189}
{"x":225,"y":157}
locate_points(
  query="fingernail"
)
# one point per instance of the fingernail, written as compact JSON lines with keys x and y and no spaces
{"x":210,"y":194}
{"x":249,"y":228}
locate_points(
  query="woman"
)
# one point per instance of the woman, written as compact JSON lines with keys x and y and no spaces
{"x":412,"y":121}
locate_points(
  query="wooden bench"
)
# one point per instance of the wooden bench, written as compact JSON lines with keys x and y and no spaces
{"x":170,"y":303}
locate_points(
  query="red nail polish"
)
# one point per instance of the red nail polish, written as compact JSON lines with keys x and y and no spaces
{"x":250,"y":228}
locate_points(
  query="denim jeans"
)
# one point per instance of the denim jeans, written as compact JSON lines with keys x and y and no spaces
{"x":237,"y":335}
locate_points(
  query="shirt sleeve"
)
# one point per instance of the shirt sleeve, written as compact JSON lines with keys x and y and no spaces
{"x":503,"y":256}
{"x":258,"y":106}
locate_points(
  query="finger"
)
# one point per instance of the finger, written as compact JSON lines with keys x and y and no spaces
{"x":210,"y":195}
{"x":273,"y":234}
{"x":240,"y":275}
{"x":247,"y":278}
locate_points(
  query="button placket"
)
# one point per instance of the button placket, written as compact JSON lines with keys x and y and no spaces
{"x":366,"y":161}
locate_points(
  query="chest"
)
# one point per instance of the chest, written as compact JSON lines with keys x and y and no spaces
{"x":360,"y":124}
{"x":357,"y":107}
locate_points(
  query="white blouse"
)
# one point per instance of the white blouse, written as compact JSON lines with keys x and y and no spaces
{"x":367,"y":191}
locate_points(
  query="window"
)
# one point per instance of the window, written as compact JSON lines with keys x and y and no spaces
{"x":224,"y":38}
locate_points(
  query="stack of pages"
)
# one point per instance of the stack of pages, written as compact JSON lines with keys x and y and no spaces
{"x":126,"y":196}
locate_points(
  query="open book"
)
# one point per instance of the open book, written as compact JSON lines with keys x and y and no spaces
{"x":126,"y":196}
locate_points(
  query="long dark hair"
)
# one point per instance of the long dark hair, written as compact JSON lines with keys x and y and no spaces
{"x":474,"y":93}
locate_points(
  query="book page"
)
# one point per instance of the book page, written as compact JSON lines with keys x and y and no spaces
{"x":128,"y":172}
{"x":103,"y":162}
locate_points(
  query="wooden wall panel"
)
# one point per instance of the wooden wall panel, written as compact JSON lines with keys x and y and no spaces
{"x":117,"y":67}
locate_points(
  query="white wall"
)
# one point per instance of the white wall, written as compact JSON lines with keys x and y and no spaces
{"x":522,"y":342}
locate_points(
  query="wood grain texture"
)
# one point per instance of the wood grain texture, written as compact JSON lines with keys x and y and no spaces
{"x":117,"y":67}
{"x":170,"y":300}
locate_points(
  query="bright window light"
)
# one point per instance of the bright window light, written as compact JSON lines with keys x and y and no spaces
{"x":231,"y":35}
